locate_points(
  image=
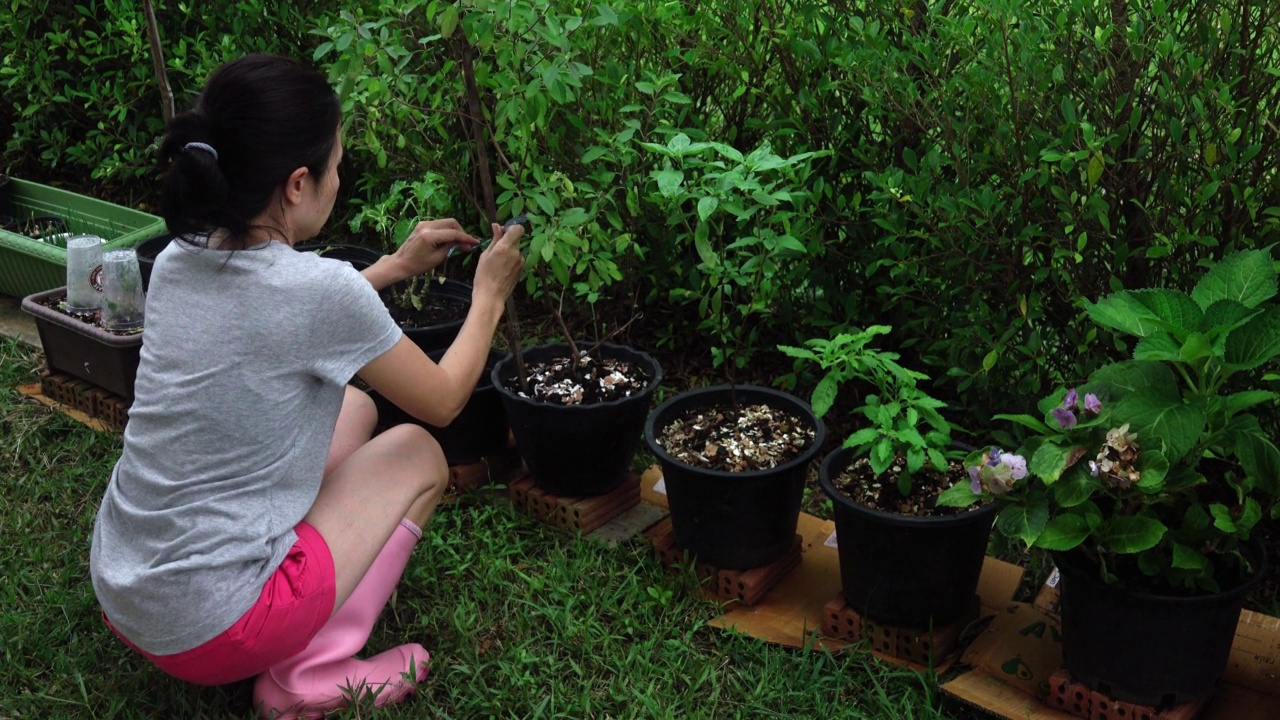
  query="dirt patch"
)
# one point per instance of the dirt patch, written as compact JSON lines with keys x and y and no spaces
{"x":864,"y":487}
{"x":736,"y":439}
{"x":586,"y":381}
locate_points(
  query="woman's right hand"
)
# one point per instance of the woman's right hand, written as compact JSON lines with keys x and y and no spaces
{"x":501,"y":264}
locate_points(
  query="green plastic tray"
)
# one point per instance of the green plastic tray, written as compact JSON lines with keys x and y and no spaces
{"x":29,"y":266}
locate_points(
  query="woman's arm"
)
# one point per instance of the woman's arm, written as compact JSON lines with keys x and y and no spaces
{"x":436,"y":393}
{"x":425,"y":248}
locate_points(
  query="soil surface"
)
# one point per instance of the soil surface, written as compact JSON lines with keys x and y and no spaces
{"x":94,"y":318}
{"x":749,"y":437}
{"x":438,"y":308}
{"x":561,"y":381}
{"x":864,"y":487}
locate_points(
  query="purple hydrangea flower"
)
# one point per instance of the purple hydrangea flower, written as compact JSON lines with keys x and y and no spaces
{"x":1072,"y":399}
{"x":1064,"y":417}
{"x":993,"y":456}
{"x":1092,"y":403}
{"x":1016,"y":463}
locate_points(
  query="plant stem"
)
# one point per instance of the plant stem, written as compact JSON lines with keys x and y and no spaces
{"x":478,"y":130}
{"x":157,"y":60}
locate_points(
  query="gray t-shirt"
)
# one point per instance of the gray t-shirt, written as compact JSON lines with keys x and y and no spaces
{"x":244,"y":361}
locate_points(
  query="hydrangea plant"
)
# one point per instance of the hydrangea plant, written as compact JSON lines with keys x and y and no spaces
{"x":1157,"y":468}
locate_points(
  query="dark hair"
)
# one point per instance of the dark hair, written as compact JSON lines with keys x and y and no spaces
{"x":264,"y":116}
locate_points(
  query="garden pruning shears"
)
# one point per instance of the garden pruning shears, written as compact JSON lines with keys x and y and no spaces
{"x":520,"y":219}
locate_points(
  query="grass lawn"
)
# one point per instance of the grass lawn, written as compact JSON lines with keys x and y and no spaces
{"x":522,"y":620}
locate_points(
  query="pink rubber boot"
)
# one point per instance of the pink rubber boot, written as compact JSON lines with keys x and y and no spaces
{"x":325,"y":675}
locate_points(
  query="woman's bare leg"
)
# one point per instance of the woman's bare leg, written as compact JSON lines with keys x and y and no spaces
{"x":370,"y":485}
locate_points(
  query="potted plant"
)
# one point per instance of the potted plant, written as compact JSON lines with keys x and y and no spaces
{"x":480,"y":429}
{"x":79,"y":346}
{"x":734,"y":458}
{"x":905,"y":560}
{"x":578,"y":426}
{"x":1147,"y":484}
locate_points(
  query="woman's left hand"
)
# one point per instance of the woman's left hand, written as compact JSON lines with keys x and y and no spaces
{"x":428,"y":245}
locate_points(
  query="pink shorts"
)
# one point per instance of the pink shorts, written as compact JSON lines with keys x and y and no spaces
{"x":295,"y":602}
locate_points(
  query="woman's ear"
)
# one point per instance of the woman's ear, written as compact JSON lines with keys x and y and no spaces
{"x":294,"y":186}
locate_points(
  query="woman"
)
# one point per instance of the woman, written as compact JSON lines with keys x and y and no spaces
{"x":253,"y":525}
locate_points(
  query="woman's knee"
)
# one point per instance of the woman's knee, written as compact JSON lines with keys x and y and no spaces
{"x":422,"y":453}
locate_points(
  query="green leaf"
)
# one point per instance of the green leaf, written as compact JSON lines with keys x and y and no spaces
{"x":1251,"y":515}
{"x":1256,"y":342}
{"x":449,"y":21}
{"x":1196,"y":348}
{"x":1184,"y":558}
{"x":1177,"y":426}
{"x":936,"y":459}
{"x":1129,"y":534}
{"x":1153,"y":467}
{"x":1172,"y":308}
{"x":1121,"y":311}
{"x":1028,"y":421}
{"x":881,"y":456}
{"x":1224,"y":316}
{"x":825,"y":394}
{"x":915,"y":459}
{"x":1063,"y":533}
{"x":1075,"y":487}
{"x":703,"y":246}
{"x":1247,"y":277}
{"x":958,"y":495}
{"x":1260,"y":458}
{"x":668,"y":181}
{"x":706,"y":206}
{"x":1142,"y":312}
{"x":1049,"y":461}
{"x":1158,"y":346}
{"x":1245,"y":399}
{"x":1115,"y":381}
{"x":798,"y":352}
{"x":1096,"y":166}
{"x":1222,"y":518}
{"x":865,"y":436}
{"x":1024,"y":521}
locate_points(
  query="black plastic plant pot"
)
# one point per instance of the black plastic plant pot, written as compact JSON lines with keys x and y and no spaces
{"x":359,"y":256}
{"x":148,"y":250}
{"x":733,"y":520}
{"x":577,"y":450}
{"x":40,"y":226}
{"x":479,"y":430}
{"x":441,"y":335}
{"x":84,"y":350}
{"x":905,"y":571}
{"x":1147,"y":649}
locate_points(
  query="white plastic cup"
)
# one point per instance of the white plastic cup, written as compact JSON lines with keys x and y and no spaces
{"x":123,"y":302}
{"x":84,"y":266}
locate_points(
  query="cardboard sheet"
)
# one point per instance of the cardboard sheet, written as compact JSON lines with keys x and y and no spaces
{"x":791,"y":614}
{"x":1013,"y":659}
{"x":34,"y":392}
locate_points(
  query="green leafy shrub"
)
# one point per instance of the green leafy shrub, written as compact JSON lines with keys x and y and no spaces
{"x":1162,"y":474}
{"x":80,"y":91}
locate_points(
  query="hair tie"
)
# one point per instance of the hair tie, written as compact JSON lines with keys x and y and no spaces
{"x":202,"y":146}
